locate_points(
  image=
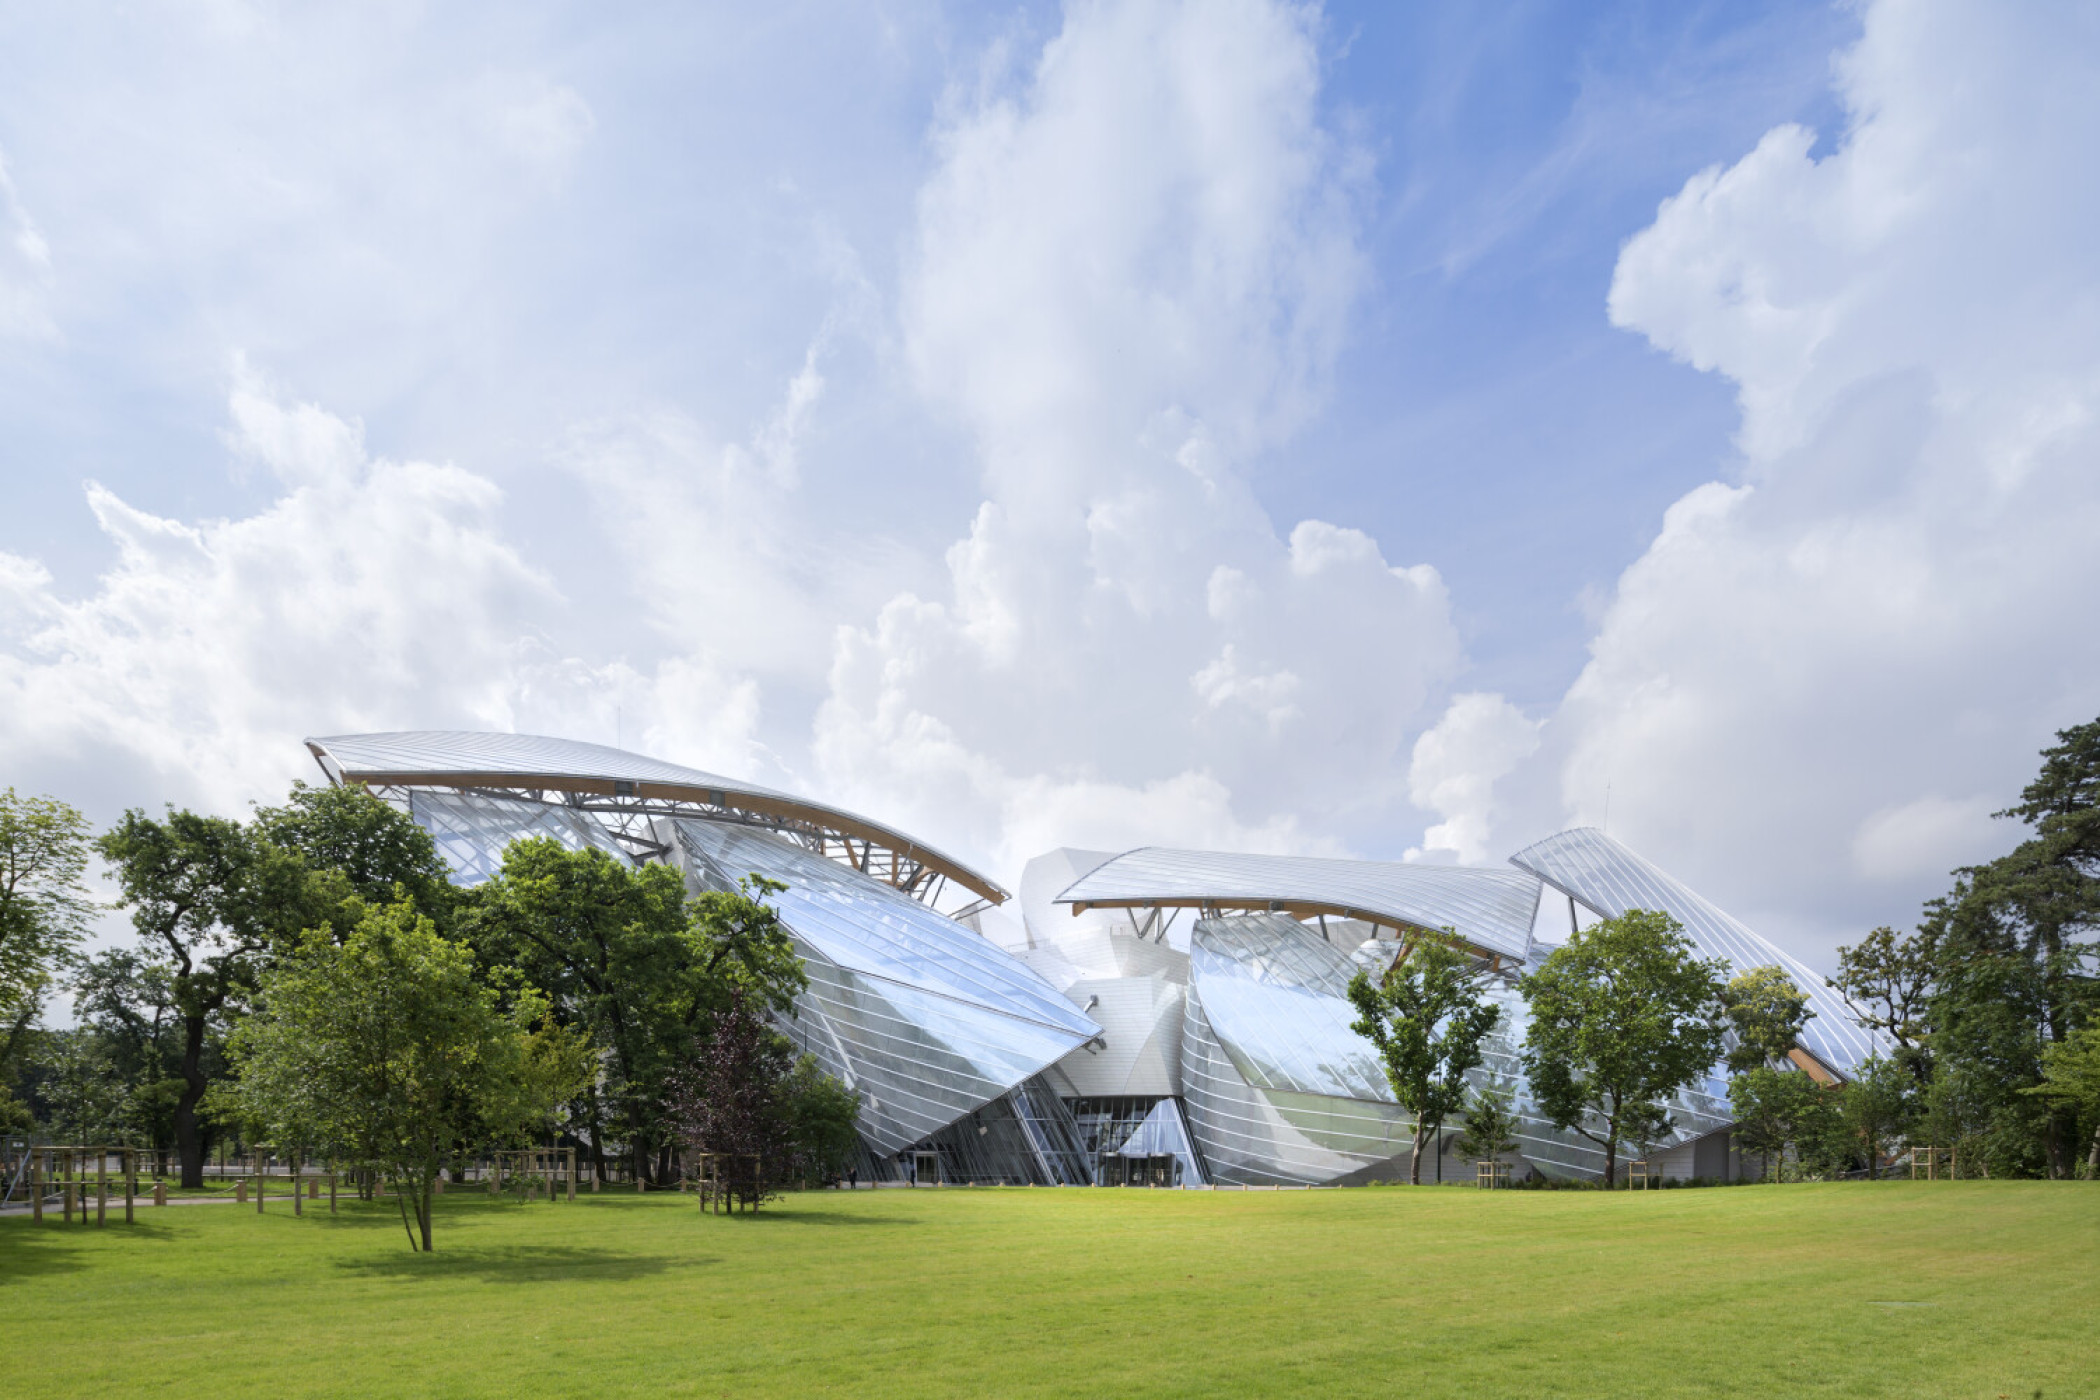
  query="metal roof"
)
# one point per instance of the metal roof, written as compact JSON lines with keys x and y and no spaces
{"x":1610,"y":879}
{"x":1491,"y":910}
{"x":467,"y":759}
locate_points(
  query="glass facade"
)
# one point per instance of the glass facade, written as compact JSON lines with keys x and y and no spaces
{"x":925,"y":1018}
{"x":942,"y":1033}
{"x":1609,"y":879}
{"x":471,"y":829}
{"x":1280,"y":1090}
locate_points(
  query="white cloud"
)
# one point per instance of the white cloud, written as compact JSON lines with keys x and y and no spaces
{"x":1898,"y":594}
{"x":369,"y":594}
{"x":1123,"y":649}
{"x":1456,"y":765}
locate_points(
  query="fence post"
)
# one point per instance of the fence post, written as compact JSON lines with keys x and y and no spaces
{"x":131,"y":1181}
{"x":36,"y":1188}
{"x":298,"y":1188}
{"x":101,"y":1188}
{"x":331,"y":1188}
{"x":572,"y":1173}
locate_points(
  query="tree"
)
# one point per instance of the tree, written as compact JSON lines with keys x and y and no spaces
{"x":127,"y":1002}
{"x":44,"y":909}
{"x":1876,"y":1108}
{"x":1766,"y":1011}
{"x":374,"y":845}
{"x":1491,"y":1126}
{"x":386,"y":1050}
{"x":213,"y":896}
{"x":729,"y":1100}
{"x":2071,"y":1082}
{"x":822,"y":1118}
{"x":630,"y":961}
{"x":1426,"y":1019}
{"x":1777,"y":1111}
{"x":1623,"y":1015}
{"x":1886,"y":978}
{"x":2016,"y":952}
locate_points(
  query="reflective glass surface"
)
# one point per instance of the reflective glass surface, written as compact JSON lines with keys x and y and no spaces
{"x":1492,"y":909}
{"x":925,"y":1018}
{"x":471,"y":829}
{"x":1610,"y":879}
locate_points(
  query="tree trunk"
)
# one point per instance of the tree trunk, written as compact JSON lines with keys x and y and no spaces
{"x":423,"y":1212}
{"x":1611,"y":1159}
{"x":1414,"y":1157}
{"x":188,"y":1143}
{"x":2092,"y":1158}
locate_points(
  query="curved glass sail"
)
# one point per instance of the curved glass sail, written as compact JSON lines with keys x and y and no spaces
{"x":1490,"y":909}
{"x":925,"y":1018}
{"x":1279,"y":1089}
{"x":471,"y":829}
{"x":1609,"y":879}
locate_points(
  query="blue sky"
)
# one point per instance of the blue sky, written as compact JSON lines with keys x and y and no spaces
{"x":1370,"y":429}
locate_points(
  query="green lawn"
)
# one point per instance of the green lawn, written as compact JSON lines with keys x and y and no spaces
{"x":1900,"y":1289}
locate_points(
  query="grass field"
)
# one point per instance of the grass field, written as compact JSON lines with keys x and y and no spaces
{"x":1899,"y":1289}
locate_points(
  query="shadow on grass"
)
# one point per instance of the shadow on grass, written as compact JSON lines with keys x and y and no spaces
{"x":31,"y":1250}
{"x":516,"y":1264}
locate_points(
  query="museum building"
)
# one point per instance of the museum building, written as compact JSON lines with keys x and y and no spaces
{"x":1156,"y":1017}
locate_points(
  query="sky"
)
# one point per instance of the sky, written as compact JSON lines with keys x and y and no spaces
{"x":1374,"y":430}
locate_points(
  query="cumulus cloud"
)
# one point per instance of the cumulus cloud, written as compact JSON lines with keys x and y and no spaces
{"x":368,"y":594}
{"x":1892,"y":604}
{"x":1123,"y":648}
{"x":1456,"y":764}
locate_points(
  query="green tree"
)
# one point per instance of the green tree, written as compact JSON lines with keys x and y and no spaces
{"x":1877,"y":1107}
{"x":629,"y":961}
{"x":1766,"y":1011}
{"x":1777,"y":1111}
{"x":2016,"y":950}
{"x":213,"y":896}
{"x":375,"y":846}
{"x":2071,"y":1083}
{"x":1490,"y":1126}
{"x":385,"y":1049}
{"x":128,"y":1003}
{"x":1887,"y":980}
{"x":1623,"y":1015}
{"x":1426,"y":1019}
{"x":822,"y":1117}
{"x":44,"y":910}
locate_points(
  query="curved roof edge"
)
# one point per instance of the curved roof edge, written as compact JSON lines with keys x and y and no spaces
{"x":1492,"y":910}
{"x":471,"y":759}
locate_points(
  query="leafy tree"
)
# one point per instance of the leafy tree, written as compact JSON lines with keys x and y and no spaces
{"x":213,"y":896}
{"x":1426,"y":1019}
{"x":44,"y":909}
{"x":1877,"y":1107}
{"x":1490,"y":1126}
{"x":1767,"y":1012}
{"x":1887,"y":980}
{"x":822,"y":1121}
{"x":1623,"y":1015}
{"x":628,"y":960}
{"x":730,"y":1100}
{"x":375,"y":846}
{"x":1777,"y":1111}
{"x":2071,"y":1082}
{"x":386,"y":1050}
{"x":127,"y":1002}
{"x":2016,"y":952}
